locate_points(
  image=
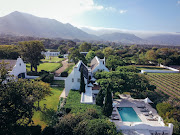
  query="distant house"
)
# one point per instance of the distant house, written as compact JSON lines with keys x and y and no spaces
{"x":49,"y":54}
{"x":92,"y":88}
{"x":84,"y":53}
{"x":17,"y":68}
{"x":66,"y":56}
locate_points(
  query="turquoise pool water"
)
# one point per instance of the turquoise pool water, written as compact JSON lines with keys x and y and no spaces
{"x":128,"y":114}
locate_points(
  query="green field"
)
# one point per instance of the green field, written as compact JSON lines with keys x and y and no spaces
{"x":51,"y":67}
{"x":150,"y":68}
{"x":168,"y":83}
{"x":53,"y":59}
{"x":51,"y":102}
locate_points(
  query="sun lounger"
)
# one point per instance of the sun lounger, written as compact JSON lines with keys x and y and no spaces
{"x":151,"y":119}
{"x":141,"y":106}
{"x":144,"y":110}
{"x":114,"y":118}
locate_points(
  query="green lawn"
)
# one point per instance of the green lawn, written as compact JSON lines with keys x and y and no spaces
{"x":53,"y":59}
{"x":58,"y":82}
{"x":51,"y":67}
{"x":73,"y":102}
{"x":51,"y":102}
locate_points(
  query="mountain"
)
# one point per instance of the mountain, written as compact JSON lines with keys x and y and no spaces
{"x":165,"y":39}
{"x":121,"y":37}
{"x":22,"y":24}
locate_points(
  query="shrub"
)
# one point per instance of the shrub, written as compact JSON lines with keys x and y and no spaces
{"x":48,"y":131}
{"x":100,"y":127}
{"x":127,"y":69}
{"x":100,"y":98}
{"x":163,"y":109}
{"x":49,"y":78}
{"x":60,"y":56}
{"x":49,"y":117}
{"x":64,"y":74}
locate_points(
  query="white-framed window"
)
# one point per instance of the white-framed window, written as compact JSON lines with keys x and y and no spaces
{"x":72,"y":79}
{"x":78,"y":80}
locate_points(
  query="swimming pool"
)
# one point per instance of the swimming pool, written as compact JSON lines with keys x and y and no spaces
{"x":128,"y":114}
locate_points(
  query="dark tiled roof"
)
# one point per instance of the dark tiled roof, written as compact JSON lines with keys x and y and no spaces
{"x":10,"y":63}
{"x":85,"y":70}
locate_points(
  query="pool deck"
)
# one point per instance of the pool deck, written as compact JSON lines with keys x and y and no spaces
{"x":127,"y":101}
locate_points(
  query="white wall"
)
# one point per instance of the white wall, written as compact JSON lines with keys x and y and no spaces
{"x":75,"y":74}
{"x":159,"y":71}
{"x":101,"y":66}
{"x":173,"y":69}
{"x":19,"y":68}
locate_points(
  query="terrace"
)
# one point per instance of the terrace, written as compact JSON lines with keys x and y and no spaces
{"x":150,"y":120}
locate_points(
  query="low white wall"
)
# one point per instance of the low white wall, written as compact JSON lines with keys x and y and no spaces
{"x":148,"y":127}
{"x":159,"y":71}
{"x":173,"y":69}
{"x":31,"y":77}
{"x":60,"y":78}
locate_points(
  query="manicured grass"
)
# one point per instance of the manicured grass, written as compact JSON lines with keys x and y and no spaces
{"x":51,"y":67}
{"x":73,"y":102}
{"x":150,"y":68}
{"x":53,"y":59}
{"x":58,"y":82}
{"x":51,"y":102}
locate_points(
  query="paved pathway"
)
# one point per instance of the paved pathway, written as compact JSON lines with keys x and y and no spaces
{"x":61,"y":69}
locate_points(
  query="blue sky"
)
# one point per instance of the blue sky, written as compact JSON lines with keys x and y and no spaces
{"x":142,"y":15}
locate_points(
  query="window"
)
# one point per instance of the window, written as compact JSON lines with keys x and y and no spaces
{"x":78,"y":80}
{"x":72,"y":79}
{"x":19,"y":64}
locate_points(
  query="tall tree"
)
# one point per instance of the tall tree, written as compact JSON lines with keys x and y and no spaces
{"x":82,"y":83}
{"x":100,"y":98}
{"x":90,"y":56}
{"x":31,"y":52}
{"x":3,"y":71}
{"x":85,"y":47}
{"x":107,"y":108}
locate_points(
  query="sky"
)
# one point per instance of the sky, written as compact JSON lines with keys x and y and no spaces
{"x":142,"y":15}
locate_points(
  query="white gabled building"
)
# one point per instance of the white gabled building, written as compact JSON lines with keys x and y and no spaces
{"x":48,"y":54}
{"x":98,"y":64}
{"x":72,"y":82}
{"x":17,"y":68}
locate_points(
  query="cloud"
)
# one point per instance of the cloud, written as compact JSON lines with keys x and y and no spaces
{"x":178,"y":2}
{"x":122,"y":11}
{"x":62,"y":10}
{"x":110,"y":9}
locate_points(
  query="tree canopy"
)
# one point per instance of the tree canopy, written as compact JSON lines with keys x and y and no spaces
{"x":31,"y":52}
{"x":17,"y":102}
{"x":85,"y":47}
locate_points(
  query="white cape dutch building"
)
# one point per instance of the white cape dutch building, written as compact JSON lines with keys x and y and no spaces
{"x":72,"y":82}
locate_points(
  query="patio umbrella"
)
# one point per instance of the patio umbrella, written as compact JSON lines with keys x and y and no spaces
{"x":147,"y":100}
{"x":93,"y":79}
{"x":96,"y":83}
